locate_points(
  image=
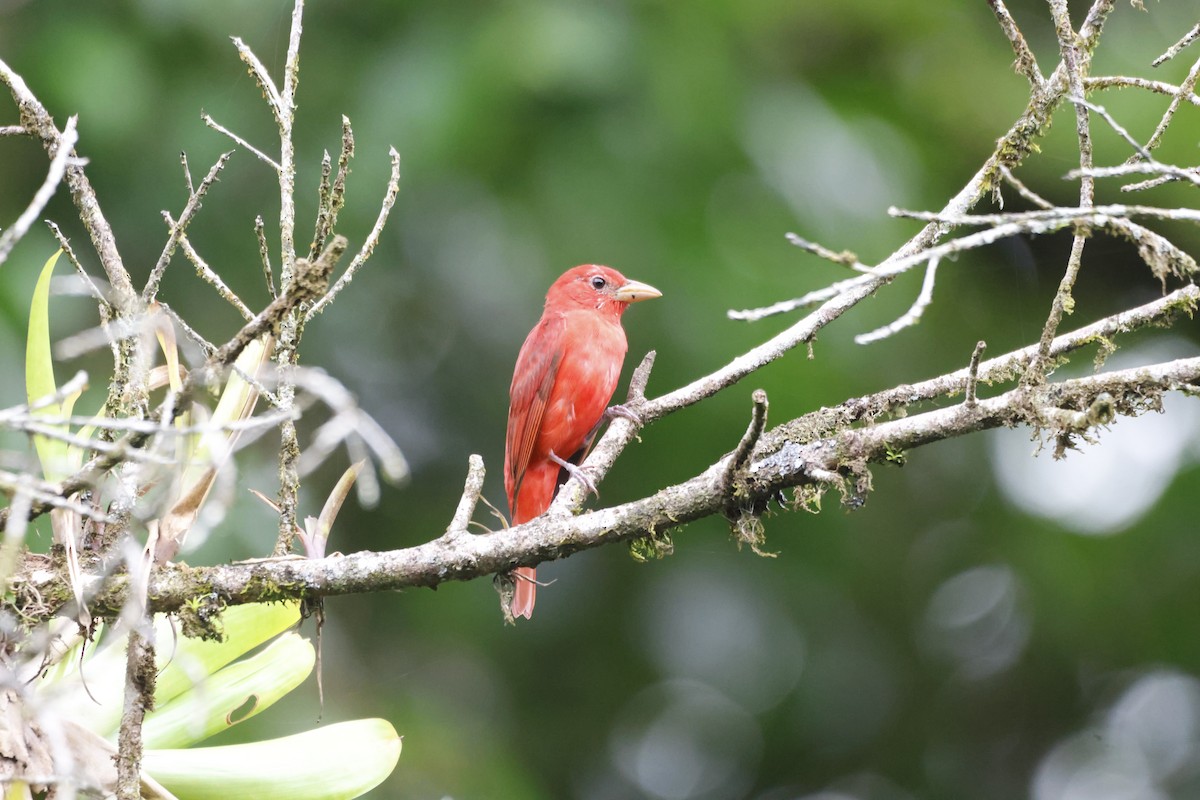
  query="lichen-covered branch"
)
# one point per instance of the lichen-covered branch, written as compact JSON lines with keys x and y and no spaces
{"x":786,"y":456}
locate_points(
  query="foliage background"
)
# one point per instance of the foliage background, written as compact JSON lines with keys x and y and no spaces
{"x":988,"y":626}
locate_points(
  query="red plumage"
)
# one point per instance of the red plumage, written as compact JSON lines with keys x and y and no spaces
{"x":566,"y":373}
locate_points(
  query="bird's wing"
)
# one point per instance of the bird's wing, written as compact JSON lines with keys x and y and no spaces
{"x":533,"y":379}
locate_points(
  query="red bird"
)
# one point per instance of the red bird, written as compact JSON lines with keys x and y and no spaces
{"x":566,"y":374}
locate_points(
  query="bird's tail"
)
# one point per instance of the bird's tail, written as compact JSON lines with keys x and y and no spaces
{"x":525,"y":592}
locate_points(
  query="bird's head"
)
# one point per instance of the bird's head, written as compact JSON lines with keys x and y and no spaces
{"x":599,"y":287}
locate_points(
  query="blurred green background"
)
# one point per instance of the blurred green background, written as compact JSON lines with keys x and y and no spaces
{"x":990,"y":625}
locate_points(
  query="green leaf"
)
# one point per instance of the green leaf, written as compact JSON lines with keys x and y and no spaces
{"x":329,"y":763}
{"x":39,"y":377}
{"x":92,"y":693}
{"x":231,"y":695}
{"x":245,"y":627}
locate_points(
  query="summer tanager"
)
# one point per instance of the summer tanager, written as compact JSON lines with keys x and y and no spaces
{"x":566,"y":373}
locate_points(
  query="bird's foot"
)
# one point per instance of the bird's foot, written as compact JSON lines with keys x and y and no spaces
{"x":578,"y":473}
{"x":612,"y":412}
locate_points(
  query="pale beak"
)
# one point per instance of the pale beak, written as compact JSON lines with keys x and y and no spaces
{"x":635,"y":292}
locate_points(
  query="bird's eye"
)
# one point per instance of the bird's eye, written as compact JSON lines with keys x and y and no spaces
{"x":598,"y":283}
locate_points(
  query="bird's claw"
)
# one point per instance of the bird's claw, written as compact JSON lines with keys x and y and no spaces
{"x":578,"y":473}
{"x":625,"y":412}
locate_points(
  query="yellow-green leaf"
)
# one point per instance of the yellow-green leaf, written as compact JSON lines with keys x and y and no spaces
{"x":231,"y":695}
{"x":92,"y":693}
{"x":334,"y":762}
{"x":39,"y":377}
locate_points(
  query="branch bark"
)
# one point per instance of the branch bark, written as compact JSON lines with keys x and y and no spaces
{"x":793,"y":454}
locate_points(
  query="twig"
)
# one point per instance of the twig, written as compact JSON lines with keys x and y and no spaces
{"x":140,"y":674}
{"x":38,"y":122}
{"x":1186,"y":88}
{"x":259,"y":154}
{"x":263,"y":78}
{"x":1122,"y":81}
{"x":54,"y":176}
{"x":264,"y":254}
{"x":844,"y":258}
{"x":187,"y":173}
{"x":470,"y":497}
{"x":973,"y":373}
{"x":206,"y":347}
{"x":1025,"y":64}
{"x":331,"y":194}
{"x":758,"y":421}
{"x":179,"y":229}
{"x":368,"y":247}
{"x":1024,"y":190}
{"x":1174,"y":49}
{"x":311,"y":281}
{"x":1076,"y":60}
{"x":65,"y":244}
{"x":910,"y":317}
{"x":1054,"y":219}
{"x":290,"y":327}
{"x":209,"y":275}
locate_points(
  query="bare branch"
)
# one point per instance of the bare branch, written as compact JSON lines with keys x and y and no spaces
{"x":1122,"y":81}
{"x":58,"y":168}
{"x":264,"y":254}
{"x":1024,"y":190}
{"x":259,"y":154}
{"x":208,"y":274}
{"x":973,"y":374}
{"x":368,"y":247}
{"x":1076,"y":60}
{"x":1186,"y":88}
{"x":784,"y":459}
{"x":1025,"y":64}
{"x":1175,"y":49}
{"x":910,"y":317}
{"x":263,"y":78}
{"x":844,"y":258}
{"x":470,"y":497}
{"x":38,"y":122}
{"x":178,"y":229}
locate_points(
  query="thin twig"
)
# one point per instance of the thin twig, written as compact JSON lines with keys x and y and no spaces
{"x":39,"y":123}
{"x":1174,"y":49}
{"x":1186,"y":88}
{"x":187,"y":173}
{"x":910,"y":317}
{"x":331,"y":192}
{"x":65,"y":244}
{"x":470,"y":497}
{"x":179,"y":228}
{"x":368,"y":247}
{"x":1025,"y":64}
{"x":263,"y":78}
{"x":758,"y":421}
{"x":845,"y":258}
{"x":973,"y":373}
{"x":208,"y":274}
{"x":1122,"y":82}
{"x":206,"y":347}
{"x":259,"y":154}
{"x":1024,"y":190}
{"x":264,"y":255}
{"x":54,"y":176}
